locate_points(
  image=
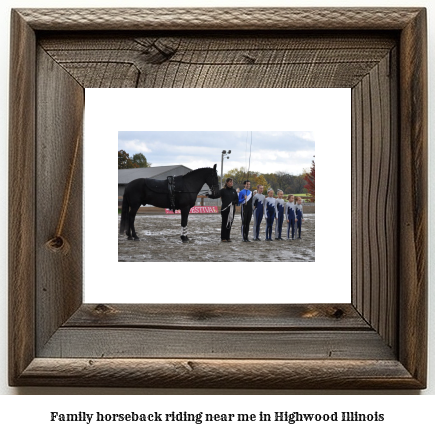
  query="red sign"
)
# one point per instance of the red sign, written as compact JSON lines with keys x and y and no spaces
{"x":196,"y":210}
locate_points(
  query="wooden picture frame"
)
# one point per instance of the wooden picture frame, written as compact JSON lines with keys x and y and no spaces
{"x":377,"y":341}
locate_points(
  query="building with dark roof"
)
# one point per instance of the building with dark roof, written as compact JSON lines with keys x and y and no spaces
{"x":127,"y":175}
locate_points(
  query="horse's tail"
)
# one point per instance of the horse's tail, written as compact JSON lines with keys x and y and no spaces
{"x":124,"y":215}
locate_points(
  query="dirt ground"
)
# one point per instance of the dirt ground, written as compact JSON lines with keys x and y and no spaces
{"x":160,"y":242}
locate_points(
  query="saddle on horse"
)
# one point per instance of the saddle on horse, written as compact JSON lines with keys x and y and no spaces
{"x":171,"y":185}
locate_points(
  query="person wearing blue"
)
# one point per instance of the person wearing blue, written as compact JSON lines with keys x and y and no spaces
{"x":290,"y":216}
{"x":258,"y":204}
{"x":269,"y":213}
{"x":279,"y":215}
{"x":299,"y":215}
{"x":245,"y":202}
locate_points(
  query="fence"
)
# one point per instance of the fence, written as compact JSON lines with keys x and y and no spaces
{"x":309,"y":207}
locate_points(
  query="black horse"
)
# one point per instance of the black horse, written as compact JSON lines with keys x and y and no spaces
{"x":146,"y":191}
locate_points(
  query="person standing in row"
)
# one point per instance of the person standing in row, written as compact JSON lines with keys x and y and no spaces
{"x":245,"y":200}
{"x":290,"y":216}
{"x":229,"y":201}
{"x":299,"y":215}
{"x":279,"y":215}
{"x":269,"y":213}
{"x":258,"y":205}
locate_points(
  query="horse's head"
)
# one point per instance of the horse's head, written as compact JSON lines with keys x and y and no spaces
{"x":212,"y":180}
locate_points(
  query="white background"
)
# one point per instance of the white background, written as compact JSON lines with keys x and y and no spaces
{"x":326,"y":112}
{"x":407,"y":413}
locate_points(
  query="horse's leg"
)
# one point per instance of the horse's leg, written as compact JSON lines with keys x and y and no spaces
{"x":184,"y":217}
{"x":131,"y":216}
{"x":127,"y":225}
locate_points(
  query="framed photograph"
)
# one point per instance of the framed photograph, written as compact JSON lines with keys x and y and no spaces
{"x":293,"y":151}
{"x":377,"y":341}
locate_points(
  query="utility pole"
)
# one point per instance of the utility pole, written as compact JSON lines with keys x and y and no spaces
{"x":225,"y":154}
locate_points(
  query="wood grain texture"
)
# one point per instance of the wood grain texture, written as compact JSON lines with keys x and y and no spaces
{"x":269,"y":317}
{"x":235,"y":60}
{"x":59,"y":278}
{"x":220,"y":18}
{"x":379,"y":342}
{"x":21,"y":197}
{"x":250,"y":374}
{"x":413,"y":184}
{"x":392,"y":298}
{"x":126,"y":342}
{"x":375,"y":198}
{"x":357,"y":197}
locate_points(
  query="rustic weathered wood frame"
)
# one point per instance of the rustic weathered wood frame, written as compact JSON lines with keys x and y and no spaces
{"x":377,"y":341}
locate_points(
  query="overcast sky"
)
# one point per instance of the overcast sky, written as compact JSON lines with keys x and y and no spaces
{"x":272,"y":151}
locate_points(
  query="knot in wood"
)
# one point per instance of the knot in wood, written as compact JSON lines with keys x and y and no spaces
{"x":338,"y":313}
{"x":249,"y":59}
{"x":58,"y":244}
{"x":103,"y":309}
